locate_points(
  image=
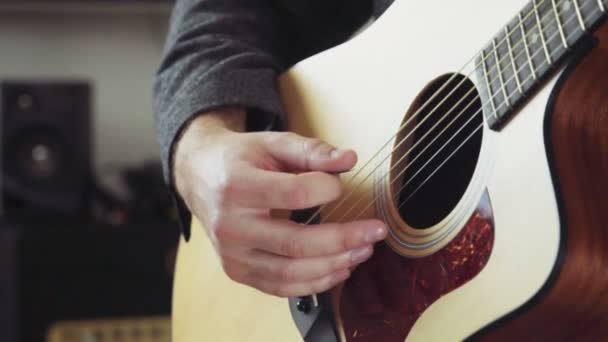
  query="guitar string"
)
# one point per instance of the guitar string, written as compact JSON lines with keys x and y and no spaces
{"x":507,"y":36}
{"x":450,"y":111}
{"x":454,"y":152}
{"x":483,"y":60}
{"x":313,"y":216}
{"x":504,"y":102}
{"x":437,"y":92}
{"x":601,"y":9}
{"x":437,"y":169}
{"x":444,"y":129}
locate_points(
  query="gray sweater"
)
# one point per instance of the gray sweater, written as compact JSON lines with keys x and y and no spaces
{"x":230,"y":52}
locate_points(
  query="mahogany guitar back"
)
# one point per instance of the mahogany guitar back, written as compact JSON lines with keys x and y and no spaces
{"x":575,"y":303}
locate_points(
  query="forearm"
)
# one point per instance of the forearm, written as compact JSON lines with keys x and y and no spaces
{"x":219,"y":53}
{"x":228,"y":54}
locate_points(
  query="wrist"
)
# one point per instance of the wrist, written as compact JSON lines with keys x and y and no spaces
{"x":200,"y":129}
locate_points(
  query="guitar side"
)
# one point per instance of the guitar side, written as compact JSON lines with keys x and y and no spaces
{"x":573,"y":305}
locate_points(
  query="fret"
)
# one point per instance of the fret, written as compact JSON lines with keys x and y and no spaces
{"x":579,"y":15}
{"x":527,"y":46}
{"x":582,"y":16}
{"x":526,"y":72}
{"x":541,"y":37}
{"x":559,"y":25}
{"x":553,"y":27}
{"x":508,"y":36}
{"x":487,"y":78}
{"x":500,"y":76}
{"x":570,"y":23}
{"x":527,"y":49}
{"x":542,"y":34}
{"x":591,"y":13}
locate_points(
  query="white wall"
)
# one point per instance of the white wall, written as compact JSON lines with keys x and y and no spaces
{"x":118,"y":52}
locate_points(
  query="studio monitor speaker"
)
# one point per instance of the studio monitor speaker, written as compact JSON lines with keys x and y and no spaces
{"x":46,"y":146}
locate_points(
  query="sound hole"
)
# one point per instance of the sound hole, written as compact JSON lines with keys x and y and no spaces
{"x":442,"y":145}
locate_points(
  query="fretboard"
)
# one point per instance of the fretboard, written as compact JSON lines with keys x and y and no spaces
{"x":528,"y":48}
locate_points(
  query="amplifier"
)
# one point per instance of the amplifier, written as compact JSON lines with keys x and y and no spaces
{"x":147,"y":329}
{"x":62,"y":273}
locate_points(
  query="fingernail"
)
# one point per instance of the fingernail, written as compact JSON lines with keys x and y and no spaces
{"x":360,"y":255}
{"x":376,"y":234}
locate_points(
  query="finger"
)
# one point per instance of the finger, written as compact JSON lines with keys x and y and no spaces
{"x":287,"y":238}
{"x":257,"y":188}
{"x":308,"y":154}
{"x":298,"y":289}
{"x":283,"y":269}
{"x":241,"y":273}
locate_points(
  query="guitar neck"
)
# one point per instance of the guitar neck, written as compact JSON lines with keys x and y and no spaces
{"x":528,"y":48}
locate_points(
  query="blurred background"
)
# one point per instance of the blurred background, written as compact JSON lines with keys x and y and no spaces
{"x":87,"y":229}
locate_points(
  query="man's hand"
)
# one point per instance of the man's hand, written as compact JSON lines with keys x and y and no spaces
{"x":231,"y":180}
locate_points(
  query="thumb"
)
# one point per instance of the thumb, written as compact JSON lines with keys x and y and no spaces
{"x":308,"y":154}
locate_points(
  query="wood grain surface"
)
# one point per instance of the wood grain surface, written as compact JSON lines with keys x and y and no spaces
{"x":576,"y":306}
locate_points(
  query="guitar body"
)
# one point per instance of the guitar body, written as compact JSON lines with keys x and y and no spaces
{"x":523,"y":251}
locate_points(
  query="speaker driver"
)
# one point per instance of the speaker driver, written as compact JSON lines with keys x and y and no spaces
{"x":41,"y":158}
{"x":46,"y":146}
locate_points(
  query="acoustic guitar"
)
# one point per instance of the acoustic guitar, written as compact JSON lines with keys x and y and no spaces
{"x":487,"y":157}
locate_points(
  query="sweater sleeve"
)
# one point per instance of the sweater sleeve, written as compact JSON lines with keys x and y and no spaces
{"x":229,"y":53}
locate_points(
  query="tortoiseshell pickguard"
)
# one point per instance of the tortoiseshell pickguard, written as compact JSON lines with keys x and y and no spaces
{"x":385,"y":296}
